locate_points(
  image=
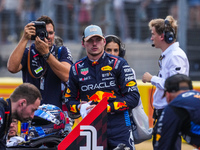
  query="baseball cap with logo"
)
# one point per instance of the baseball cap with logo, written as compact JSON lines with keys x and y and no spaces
{"x":92,"y":30}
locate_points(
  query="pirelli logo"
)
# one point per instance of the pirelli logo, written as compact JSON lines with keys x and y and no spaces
{"x":131,"y":83}
{"x":106,"y":68}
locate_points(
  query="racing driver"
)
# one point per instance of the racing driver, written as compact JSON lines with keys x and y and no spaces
{"x":100,"y":75}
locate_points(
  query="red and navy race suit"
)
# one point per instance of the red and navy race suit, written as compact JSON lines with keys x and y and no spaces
{"x":5,"y":120}
{"x":51,"y":94}
{"x":112,"y":77}
{"x":182,"y":115}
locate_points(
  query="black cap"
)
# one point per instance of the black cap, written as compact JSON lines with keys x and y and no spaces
{"x":172,"y":83}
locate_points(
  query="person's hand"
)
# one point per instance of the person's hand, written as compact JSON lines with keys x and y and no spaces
{"x":89,"y":108}
{"x":146,"y":77}
{"x":29,"y":30}
{"x":41,"y":46}
{"x":82,"y":102}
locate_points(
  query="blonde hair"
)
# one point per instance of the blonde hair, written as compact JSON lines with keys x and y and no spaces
{"x":159,"y":25}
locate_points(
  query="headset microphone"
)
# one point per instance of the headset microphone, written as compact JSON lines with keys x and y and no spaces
{"x":153,"y":45}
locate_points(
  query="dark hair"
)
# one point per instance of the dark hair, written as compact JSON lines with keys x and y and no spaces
{"x":115,"y":39}
{"x":26,"y":91}
{"x":172,"y":83}
{"x":83,"y":36}
{"x":47,"y":20}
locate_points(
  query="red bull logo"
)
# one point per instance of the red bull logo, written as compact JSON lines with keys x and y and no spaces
{"x":24,"y":128}
{"x":108,"y":108}
{"x":99,"y":95}
{"x":120,"y":105}
{"x":73,"y":108}
{"x":67,"y":93}
{"x":95,"y":63}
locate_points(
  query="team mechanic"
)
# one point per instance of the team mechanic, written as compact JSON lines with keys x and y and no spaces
{"x":98,"y":75}
{"x":180,"y":116}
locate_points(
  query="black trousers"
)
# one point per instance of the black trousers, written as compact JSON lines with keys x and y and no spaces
{"x":156,"y":115}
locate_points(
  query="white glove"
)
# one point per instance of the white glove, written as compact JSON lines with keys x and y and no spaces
{"x":83,"y":110}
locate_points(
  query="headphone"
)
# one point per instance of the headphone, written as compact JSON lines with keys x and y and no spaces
{"x":122,"y":49}
{"x":169,"y":34}
{"x":83,"y":36}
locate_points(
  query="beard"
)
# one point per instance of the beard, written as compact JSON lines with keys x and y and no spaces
{"x":50,"y":43}
{"x":19,"y":117}
{"x":16,"y":116}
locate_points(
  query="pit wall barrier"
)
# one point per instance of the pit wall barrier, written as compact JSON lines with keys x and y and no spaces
{"x":7,"y":86}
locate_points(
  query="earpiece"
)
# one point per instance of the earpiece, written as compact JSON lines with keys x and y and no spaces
{"x":83,"y":36}
{"x":168,"y":32}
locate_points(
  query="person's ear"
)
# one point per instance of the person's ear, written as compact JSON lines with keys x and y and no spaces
{"x":22,"y":102}
{"x":162,"y":36}
{"x":104,"y":40}
{"x":167,"y":94}
{"x":169,"y":97}
{"x":82,"y":44}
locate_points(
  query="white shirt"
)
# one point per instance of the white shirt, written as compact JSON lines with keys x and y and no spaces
{"x":174,"y":61}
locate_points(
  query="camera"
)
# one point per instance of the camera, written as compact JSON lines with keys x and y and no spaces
{"x":40,"y":30}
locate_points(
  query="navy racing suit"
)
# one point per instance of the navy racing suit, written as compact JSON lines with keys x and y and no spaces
{"x":5,"y":121}
{"x":181,"y":116}
{"x":112,"y":77}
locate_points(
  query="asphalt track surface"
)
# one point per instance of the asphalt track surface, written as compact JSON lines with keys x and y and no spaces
{"x":147,"y":145}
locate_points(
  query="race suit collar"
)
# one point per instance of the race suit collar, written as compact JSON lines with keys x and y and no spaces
{"x":93,"y":63}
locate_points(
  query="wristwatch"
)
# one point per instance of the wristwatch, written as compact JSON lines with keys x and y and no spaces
{"x":46,"y":56}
